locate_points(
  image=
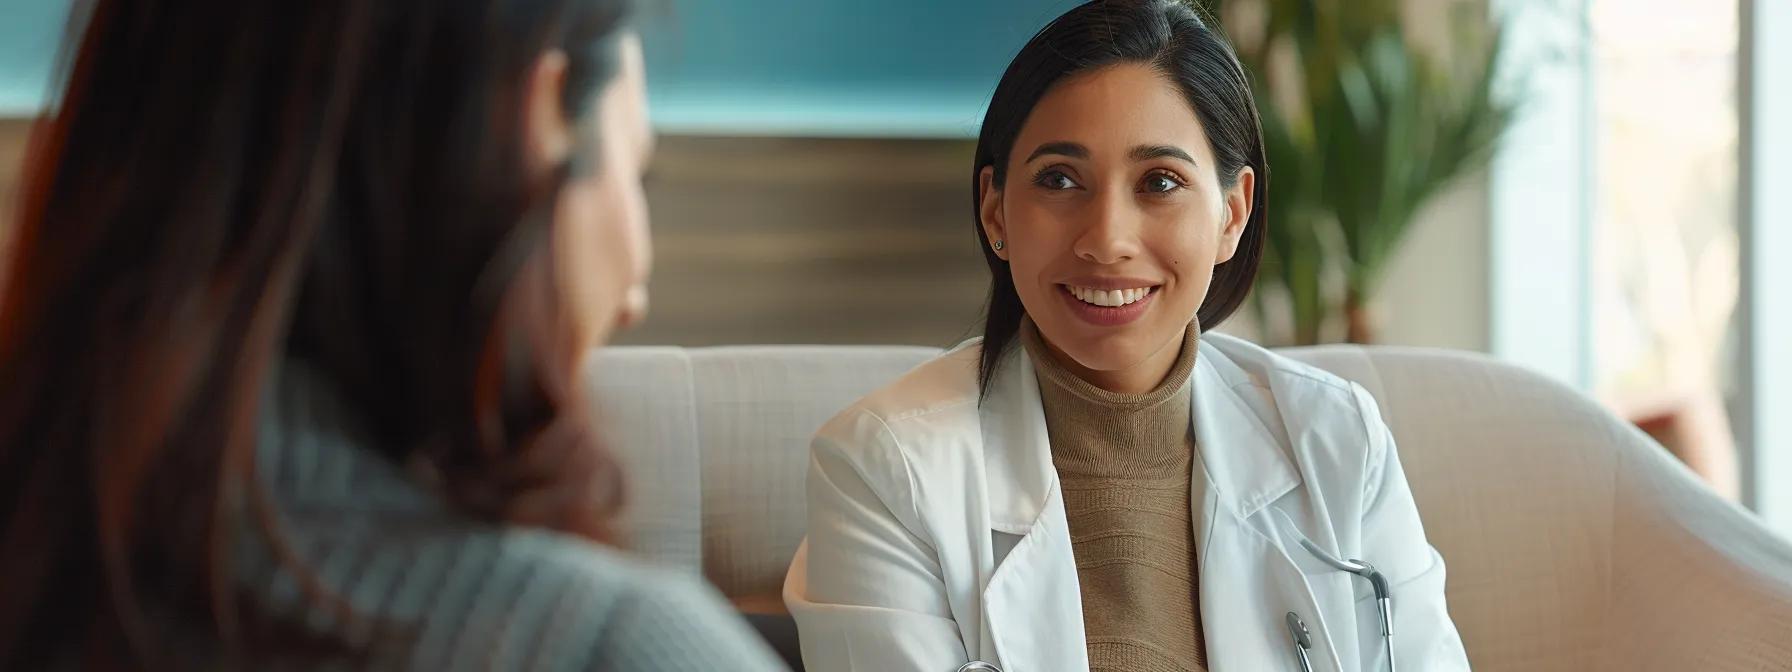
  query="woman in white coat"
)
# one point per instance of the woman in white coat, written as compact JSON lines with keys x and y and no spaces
{"x":1095,"y":483}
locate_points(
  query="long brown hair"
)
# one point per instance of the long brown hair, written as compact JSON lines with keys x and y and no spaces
{"x":224,"y":185}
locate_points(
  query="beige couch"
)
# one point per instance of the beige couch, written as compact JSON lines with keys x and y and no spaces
{"x":1573,"y":542}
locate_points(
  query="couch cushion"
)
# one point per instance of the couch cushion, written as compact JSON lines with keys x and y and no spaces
{"x":758,"y":408}
{"x":648,"y":412}
{"x":1573,"y":541}
{"x":716,"y":442}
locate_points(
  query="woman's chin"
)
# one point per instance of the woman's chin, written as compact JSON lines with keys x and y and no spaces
{"x":1108,"y":352}
{"x":1108,"y":349}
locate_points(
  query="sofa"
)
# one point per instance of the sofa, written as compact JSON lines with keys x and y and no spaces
{"x":1573,"y":541}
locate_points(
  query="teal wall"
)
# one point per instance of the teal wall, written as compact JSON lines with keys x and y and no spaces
{"x":29,"y":33}
{"x":834,"y":67}
{"x":757,"y":67}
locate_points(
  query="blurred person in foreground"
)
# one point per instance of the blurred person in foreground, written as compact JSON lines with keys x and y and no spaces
{"x":290,"y":343}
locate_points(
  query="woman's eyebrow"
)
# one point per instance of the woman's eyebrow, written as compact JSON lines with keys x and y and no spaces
{"x":1069,"y":149}
{"x":1149,"y":152}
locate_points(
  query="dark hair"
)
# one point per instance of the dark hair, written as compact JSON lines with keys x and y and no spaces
{"x":225,"y":185}
{"x":1171,"y":36}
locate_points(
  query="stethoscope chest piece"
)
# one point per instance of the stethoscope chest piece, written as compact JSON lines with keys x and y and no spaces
{"x":978,"y":666}
{"x":1303,"y":640}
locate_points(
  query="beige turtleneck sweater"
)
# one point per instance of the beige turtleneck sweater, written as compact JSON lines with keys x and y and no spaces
{"x":1125,"y":464}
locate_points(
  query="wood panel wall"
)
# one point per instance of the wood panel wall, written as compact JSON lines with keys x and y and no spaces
{"x":763,"y":240}
{"x":13,"y":133}
{"x":777,"y":240}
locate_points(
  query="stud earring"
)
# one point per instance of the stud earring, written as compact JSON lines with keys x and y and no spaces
{"x":998,"y":245}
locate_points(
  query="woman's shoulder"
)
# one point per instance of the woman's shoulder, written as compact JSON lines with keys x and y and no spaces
{"x":519,"y":598}
{"x":1244,"y":364}
{"x":635,"y":616}
{"x":354,"y":525}
{"x":946,"y":382}
{"x":1298,"y":398}
{"x":522,"y":598}
{"x":925,"y":426}
{"x":939,"y":395}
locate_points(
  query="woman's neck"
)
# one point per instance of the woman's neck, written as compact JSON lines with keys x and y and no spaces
{"x":1140,"y":378}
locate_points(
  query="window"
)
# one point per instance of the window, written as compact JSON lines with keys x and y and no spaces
{"x":1665,"y":270}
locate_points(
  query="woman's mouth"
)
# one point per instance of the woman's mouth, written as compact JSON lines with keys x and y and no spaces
{"x":1108,"y":298}
{"x":1108,"y":307}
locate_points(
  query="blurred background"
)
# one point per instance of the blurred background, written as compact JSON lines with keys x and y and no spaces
{"x":1596,"y":189}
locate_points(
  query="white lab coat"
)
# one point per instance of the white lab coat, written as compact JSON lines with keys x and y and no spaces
{"x":937,"y":533}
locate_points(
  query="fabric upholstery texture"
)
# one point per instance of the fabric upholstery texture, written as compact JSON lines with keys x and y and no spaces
{"x":1573,"y":541}
{"x":716,"y":442}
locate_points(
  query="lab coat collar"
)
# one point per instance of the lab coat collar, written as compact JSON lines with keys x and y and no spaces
{"x":1016,"y":453}
{"x":1245,"y":466}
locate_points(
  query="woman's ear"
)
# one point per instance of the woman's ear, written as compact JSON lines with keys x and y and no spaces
{"x":547,"y":133}
{"x":989,"y":212}
{"x":1240,"y":199}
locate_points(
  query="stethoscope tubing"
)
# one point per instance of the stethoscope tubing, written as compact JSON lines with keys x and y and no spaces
{"x":1297,"y":629}
{"x":1384,"y":603}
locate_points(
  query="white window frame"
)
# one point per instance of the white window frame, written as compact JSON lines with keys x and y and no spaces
{"x":1766,"y":105}
{"x":1542,"y":194}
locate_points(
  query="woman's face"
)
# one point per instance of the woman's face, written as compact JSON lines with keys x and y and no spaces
{"x":602,"y":250}
{"x":1112,"y":217}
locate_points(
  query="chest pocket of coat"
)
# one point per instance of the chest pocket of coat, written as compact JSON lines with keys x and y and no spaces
{"x":1347,"y":603}
{"x":1327,"y":581}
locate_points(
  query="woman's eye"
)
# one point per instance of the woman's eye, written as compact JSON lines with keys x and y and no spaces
{"x":1159,"y":183}
{"x":1054,"y":180}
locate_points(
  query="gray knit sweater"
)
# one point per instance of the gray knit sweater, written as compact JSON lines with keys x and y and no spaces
{"x":467,"y":595}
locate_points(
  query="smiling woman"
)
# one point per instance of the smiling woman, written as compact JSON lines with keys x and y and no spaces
{"x":1124,"y":491}
{"x":1117,"y":218}
{"x":1116,"y":135}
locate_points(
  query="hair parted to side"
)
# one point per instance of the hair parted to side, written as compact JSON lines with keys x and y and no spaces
{"x":1173,"y":37}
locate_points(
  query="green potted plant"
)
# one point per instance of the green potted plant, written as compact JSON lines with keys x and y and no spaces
{"x":1362,"y":128}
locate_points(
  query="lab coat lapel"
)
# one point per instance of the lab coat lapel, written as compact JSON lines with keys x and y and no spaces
{"x":1248,"y":582}
{"x":1032,"y":610}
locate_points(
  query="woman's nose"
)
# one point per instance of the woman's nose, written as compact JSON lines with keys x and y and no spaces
{"x":1111,"y":234}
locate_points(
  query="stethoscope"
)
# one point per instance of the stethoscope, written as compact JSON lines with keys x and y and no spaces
{"x":1297,"y":629}
{"x":1384,"y":602}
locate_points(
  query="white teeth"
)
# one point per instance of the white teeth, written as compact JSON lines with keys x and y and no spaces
{"x":1112,"y":298}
